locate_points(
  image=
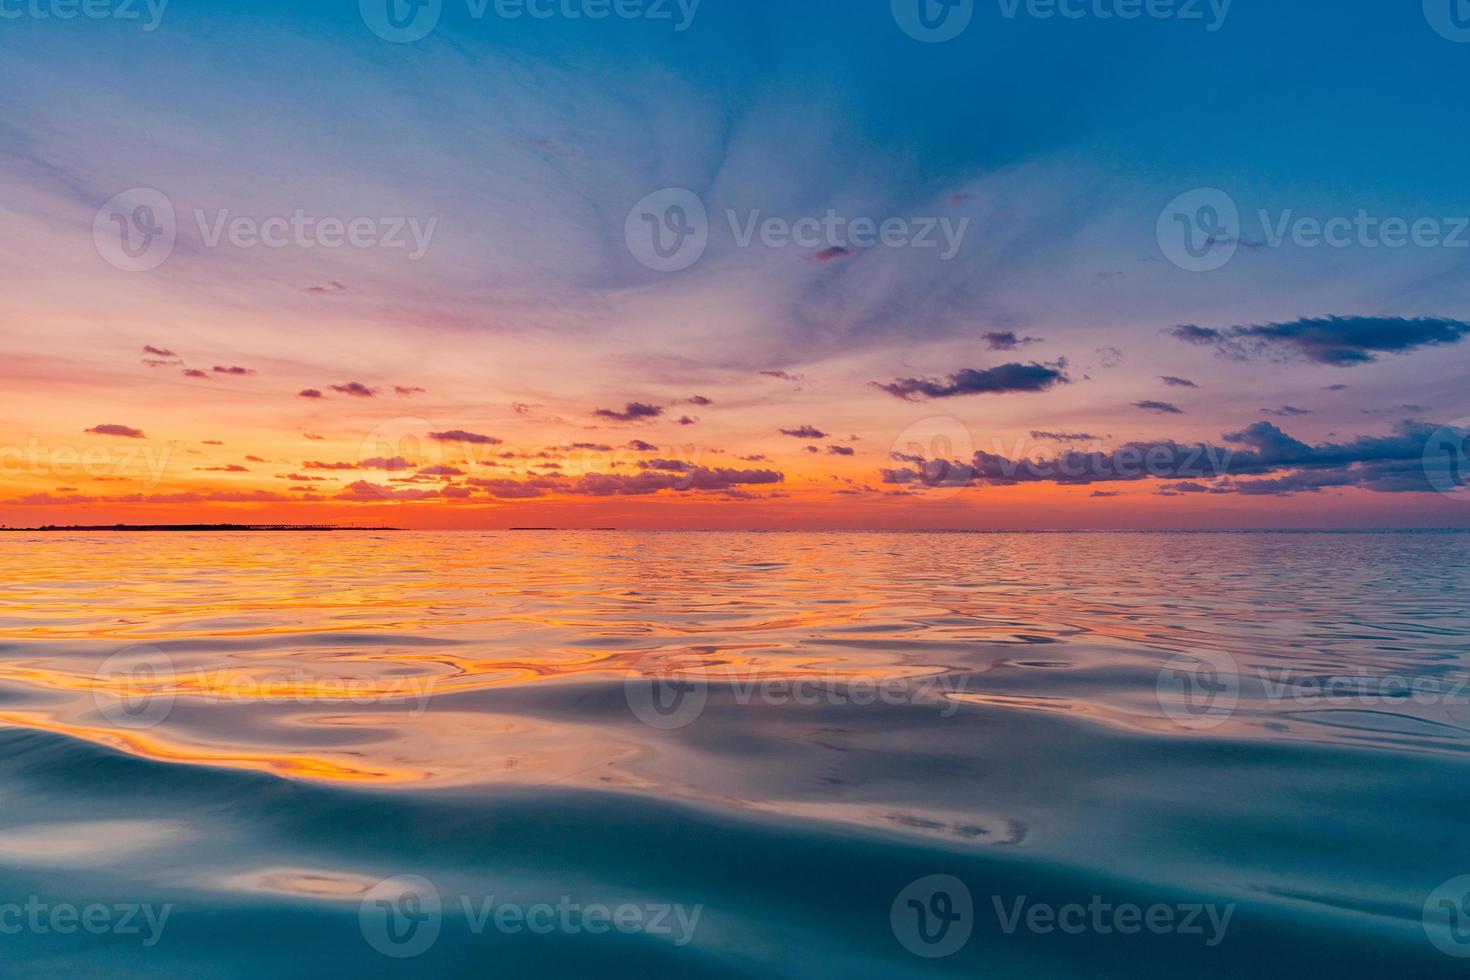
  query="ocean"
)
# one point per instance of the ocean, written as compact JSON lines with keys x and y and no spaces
{"x":646,"y":755}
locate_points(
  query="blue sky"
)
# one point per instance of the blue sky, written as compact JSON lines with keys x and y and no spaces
{"x":1058,"y":141}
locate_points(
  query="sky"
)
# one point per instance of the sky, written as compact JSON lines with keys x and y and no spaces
{"x":678,"y":264}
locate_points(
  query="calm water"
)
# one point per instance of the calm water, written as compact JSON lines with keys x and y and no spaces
{"x":729,"y":755}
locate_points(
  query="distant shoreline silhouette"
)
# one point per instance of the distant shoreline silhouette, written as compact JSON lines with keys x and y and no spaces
{"x":196,"y":527}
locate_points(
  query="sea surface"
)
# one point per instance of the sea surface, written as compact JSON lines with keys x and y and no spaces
{"x":734,"y":755}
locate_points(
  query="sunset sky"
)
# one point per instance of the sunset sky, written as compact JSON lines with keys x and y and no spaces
{"x":498,"y":348}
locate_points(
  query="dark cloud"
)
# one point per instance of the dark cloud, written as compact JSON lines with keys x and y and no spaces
{"x":356,"y":389}
{"x":158,"y":351}
{"x":841,"y":451}
{"x":386,"y":463}
{"x":468,"y":438}
{"x":639,"y":446}
{"x":1405,"y":461}
{"x":195,"y":373}
{"x":832,"y":254}
{"x":686,"y":420}
{"x":805,"y":432}
{"x":689,"y":478}
{"x":1163,"y":408}
{"x":1174,"y":382}
{"x":632,"y":412}
{"x":1007,"y":378}
{"x":319,"y":465}
{"x":1007,"y":340}
{"x":1340,"y":341}
{"x":440,"y":471}
{"x":309,"y":393}
{"x":238,"y":372}
{"x":331,"y":287}
{"x":121,"y":431}
{"x":406,"y":392}
{"x":782,"y":376}
{"x":1064,"y":436}
{"x":1287,"y":412}
{"x":700,"y":400}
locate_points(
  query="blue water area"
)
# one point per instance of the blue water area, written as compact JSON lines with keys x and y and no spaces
{"x":732,"y":755}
